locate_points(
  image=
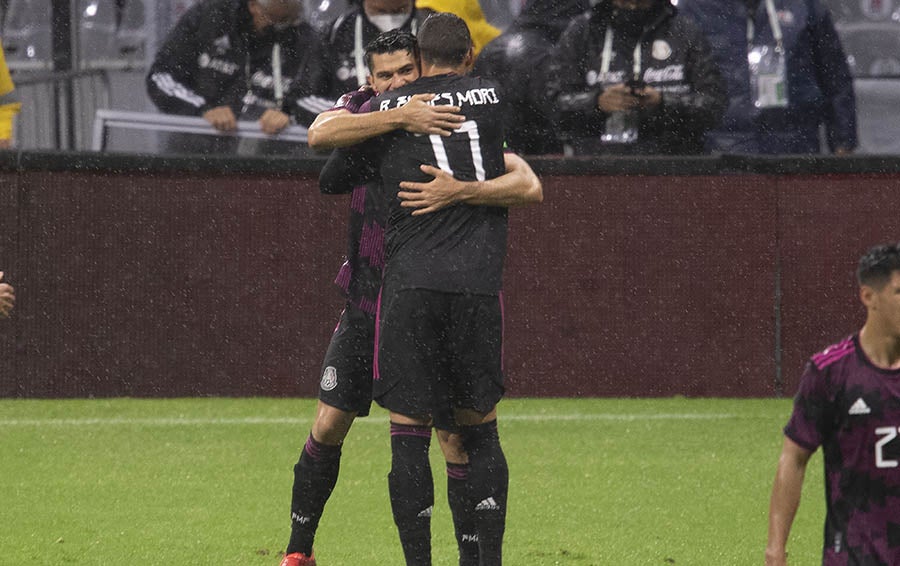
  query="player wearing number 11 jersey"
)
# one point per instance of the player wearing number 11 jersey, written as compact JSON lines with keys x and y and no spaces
{"x":439,"y":334}
{"x":849,"y":404}
{"x":460,"y":249}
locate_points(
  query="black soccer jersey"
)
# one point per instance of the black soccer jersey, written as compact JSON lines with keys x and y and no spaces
{"x":460,"y":248}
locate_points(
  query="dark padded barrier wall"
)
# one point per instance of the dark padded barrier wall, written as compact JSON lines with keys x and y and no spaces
{"x":157,"y":277}
{"x":826,"y":223}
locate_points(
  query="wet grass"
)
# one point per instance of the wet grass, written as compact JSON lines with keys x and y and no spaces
{"x":207,"y":481}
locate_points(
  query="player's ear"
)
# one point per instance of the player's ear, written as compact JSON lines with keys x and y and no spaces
{"x":867,"y":295}
{"x":469,"y":61}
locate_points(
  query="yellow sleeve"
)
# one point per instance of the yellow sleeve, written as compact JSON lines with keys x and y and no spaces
{"x":6,"y":84}
{"x":9,"y":101}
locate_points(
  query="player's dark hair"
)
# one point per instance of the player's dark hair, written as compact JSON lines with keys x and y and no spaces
{"x":444,"y":40}
{"x":391,"y":41}
{"x":876,"y":266}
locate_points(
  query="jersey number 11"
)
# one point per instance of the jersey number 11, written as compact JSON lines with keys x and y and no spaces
{"x":445,"y":153}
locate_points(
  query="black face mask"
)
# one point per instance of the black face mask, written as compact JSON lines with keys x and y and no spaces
{"x":632,"y":22}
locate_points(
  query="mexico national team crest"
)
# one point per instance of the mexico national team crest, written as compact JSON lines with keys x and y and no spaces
{"x":876,"y":9}
{"x":329,"y":379}
{"x":661,"y":50}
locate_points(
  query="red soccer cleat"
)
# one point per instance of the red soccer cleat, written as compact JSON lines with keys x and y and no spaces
{"x":298,"y":559}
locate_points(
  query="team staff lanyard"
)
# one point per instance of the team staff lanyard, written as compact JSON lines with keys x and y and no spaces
{"x":768,"y":67}
{"x":620,"y":127}
{"x":359,"y":53}
{"x":277,"y":85}
{"x":607,"y":56}
{"x":773,"y":21}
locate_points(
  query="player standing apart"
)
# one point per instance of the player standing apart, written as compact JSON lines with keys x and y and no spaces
{"x":849,"y":404}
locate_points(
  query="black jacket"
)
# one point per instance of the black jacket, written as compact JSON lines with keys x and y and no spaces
{"x":518,"y":60}
{"x":676,"y":59}
{"x":342,"y":75}
{"x":205,"y":59}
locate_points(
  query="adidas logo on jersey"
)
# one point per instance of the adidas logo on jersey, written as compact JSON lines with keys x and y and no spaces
{"x":859,"y":408}
{"x":488,"y":505}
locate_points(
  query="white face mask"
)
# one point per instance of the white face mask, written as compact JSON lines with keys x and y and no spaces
{"x":387,"y":22}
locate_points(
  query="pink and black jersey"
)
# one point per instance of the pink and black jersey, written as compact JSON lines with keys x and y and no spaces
{"x":851,"y":408}
{"x":360,"y":276}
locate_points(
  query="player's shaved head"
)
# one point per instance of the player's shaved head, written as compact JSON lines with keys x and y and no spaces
{"x":876,"y":266}
{"x":444,"y":40}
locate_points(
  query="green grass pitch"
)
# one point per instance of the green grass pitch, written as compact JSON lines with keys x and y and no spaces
{"x":207,"y":482}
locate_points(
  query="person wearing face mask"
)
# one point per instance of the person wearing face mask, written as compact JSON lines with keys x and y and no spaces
{"x":350,"y":33}
{"x":634,"y":77}
{"x":787,"y":74}
{"x":230,"y":60}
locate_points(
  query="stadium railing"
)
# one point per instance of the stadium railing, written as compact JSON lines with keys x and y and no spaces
{"x":104,"y":120}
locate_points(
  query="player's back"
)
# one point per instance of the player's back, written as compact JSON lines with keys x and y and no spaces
{"x":462,"y":247}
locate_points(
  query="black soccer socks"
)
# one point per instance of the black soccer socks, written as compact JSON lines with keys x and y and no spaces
{"x":315,"y":475}
{"x":488,"y":484}
{"x":463,"y":520}
{"x":412,"y":491}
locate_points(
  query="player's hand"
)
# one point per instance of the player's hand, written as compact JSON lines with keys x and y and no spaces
{"x":776,"y":558}
{"x":432,"y":196}
{"x":419,"y":117}
{"x":7,"y":297}
{"x":5,"y":143}
{"x":221,"y":118}
{"x":273,"y":121}
{"x":618,"y":98}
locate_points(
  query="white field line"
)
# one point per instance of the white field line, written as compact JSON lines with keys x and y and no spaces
{"x":187,"y":421}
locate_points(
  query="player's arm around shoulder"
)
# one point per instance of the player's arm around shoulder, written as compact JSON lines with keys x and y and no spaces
{"x":324,"y":133}
{"x":518,"y":186}
{"x":342,"y":128}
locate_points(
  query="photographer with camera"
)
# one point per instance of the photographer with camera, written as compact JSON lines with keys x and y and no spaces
{"x":634,"y":77}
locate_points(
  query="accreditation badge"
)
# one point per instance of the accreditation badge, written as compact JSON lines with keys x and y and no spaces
{"x":768,"y":77}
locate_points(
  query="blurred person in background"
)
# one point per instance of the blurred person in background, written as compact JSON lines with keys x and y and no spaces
{"x":353,"y":30}
{"x":9,"y":104}
{"x":7,"y":297}
{"x":635,"y":77}
{"x":9,"y":107}
{"x":470,"y":12}
{"x":786,"y":74}
{"x":230,"y":60}
{"x":519,"y":60}
{"x":848,"y":402}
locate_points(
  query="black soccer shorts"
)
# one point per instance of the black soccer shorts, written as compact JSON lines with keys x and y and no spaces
{"x":437,"y":352}
{"x":346,"y":381}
